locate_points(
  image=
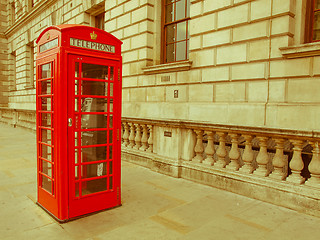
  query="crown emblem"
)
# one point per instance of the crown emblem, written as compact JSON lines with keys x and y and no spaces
{"x":93,"y":35}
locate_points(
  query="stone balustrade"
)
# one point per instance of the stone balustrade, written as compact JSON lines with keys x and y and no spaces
{"x":264,"y":153}
{"x":256,"y":162}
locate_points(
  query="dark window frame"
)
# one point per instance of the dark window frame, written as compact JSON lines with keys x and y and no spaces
{"x":311,"y":11}
{"x":165,"y":25}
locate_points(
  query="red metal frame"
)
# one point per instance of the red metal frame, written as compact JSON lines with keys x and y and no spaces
{"x":60,"y":200}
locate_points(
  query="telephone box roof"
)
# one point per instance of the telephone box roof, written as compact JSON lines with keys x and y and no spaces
{"x":74,"y":28}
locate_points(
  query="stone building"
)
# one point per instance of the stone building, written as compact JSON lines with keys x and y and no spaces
{"x":222,"y":92}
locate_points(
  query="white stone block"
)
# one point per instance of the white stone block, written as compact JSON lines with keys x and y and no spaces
{"x":215,"y":74}
{"x":251,"y":31}
{"x":201,"y":93}
{"x":248,"y":71}
{"x":232,"y":54}
{"x":202,"y":24}
{"x":257,"y":91}
{"x":210,"y":5}
{"x":216,"y":38}
{"x":260,"y":9}
{"x":233,"y":16}
{"x":230,"y":92}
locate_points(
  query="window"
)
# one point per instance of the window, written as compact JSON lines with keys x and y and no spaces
{"x":30,"y":65}
{"x":12,"y":67}
{"x":12,"y":13}
{"x":176,"y":33}
{"x":99,"y":21}
{"x":313,"y":21}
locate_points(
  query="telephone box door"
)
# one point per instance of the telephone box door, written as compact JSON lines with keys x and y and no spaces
{"x":93,"y":134}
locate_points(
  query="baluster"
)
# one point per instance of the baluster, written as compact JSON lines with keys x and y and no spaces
{"x":122,"y":132}
{"x":234,"y":153}
{"x":221,"y":151}
{"x":247,"y":156}
{"x":132,"y":135}
{"x":144,"y":139}
{"x":209,"y":149}
{"x":296,"y":163}
{"x":262,"y":158}
{"x":150,"y":139}
{"x":314,"y":166}
{"x":138,"y":136}
{"x":126,"y":134}
{"x":198,"y":147}
{"x":278,"y":161}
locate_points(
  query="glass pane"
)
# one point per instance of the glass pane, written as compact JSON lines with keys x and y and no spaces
{"x":317,"y":4}
{"x":47,"y":168}
{"x":46,"y":136}
{"x":94,"y":105}
{"x":46,"y":184}
{"x":94,"y":121}
{"x":180,"y":9}
{"x":94,"y":88}
{"x":76,"y":139}
{"x":46,"y":71}
{"x":76,"y":87}
{"x":111,"y":74}
{"x":170,"y":53}
{"x":94,"y":170}
{"x":94,"y":154}
{"x":110,"y":182}
{"x":77,"y":187}
{"x":110,"y":152}
{"x":76,"y":156}
{"x":45,"y":120}
{"x":110,"y":167}
{"x":76,"y":172}
{"x":93,"y":138}
{"x":94,"y":186}
{"x":111,"y":89}
{"x":76,"y":104}
{"x":170,"y":13}
{"x":170,"y":33}
{"x":46,"y":152}
{"x":111,"y":105}
{"x":181,"y":51}
{"x":316,"y":26}
{"x":111,"y":121}
{"x":76,"y":69}
{"x":169,"y":1}
{"x":45,"y":103}
{"x":181,"y":31}
{"x":45,"y":87}
{"x":94,"y":71}
{"x":110,"y":136}
{"x":188,"y":8}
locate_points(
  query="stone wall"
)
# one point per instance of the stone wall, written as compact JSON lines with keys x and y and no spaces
{"x":3,"y":55}
{"x":242,"y":68}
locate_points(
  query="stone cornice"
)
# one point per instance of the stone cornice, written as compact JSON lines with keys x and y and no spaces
{"x":303,"y":50}
{"x":168,"y":67}
{"x":36,"y":10}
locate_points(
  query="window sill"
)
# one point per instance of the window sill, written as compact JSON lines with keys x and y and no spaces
{"x":168,"y":67}
{"x":303,"y":50}
{"x":28,"y":87}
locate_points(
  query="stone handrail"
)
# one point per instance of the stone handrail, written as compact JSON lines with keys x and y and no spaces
{"x":276,"y":154}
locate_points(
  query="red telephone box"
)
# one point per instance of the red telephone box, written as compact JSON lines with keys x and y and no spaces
{"x":78,"y":120}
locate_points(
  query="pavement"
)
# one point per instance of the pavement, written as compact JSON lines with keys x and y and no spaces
{"x":154,"y":206}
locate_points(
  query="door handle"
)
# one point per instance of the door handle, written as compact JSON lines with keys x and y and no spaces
{"x":69,"y":122}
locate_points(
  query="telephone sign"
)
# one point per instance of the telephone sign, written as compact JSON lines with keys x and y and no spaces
{"x":78,"y":120}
